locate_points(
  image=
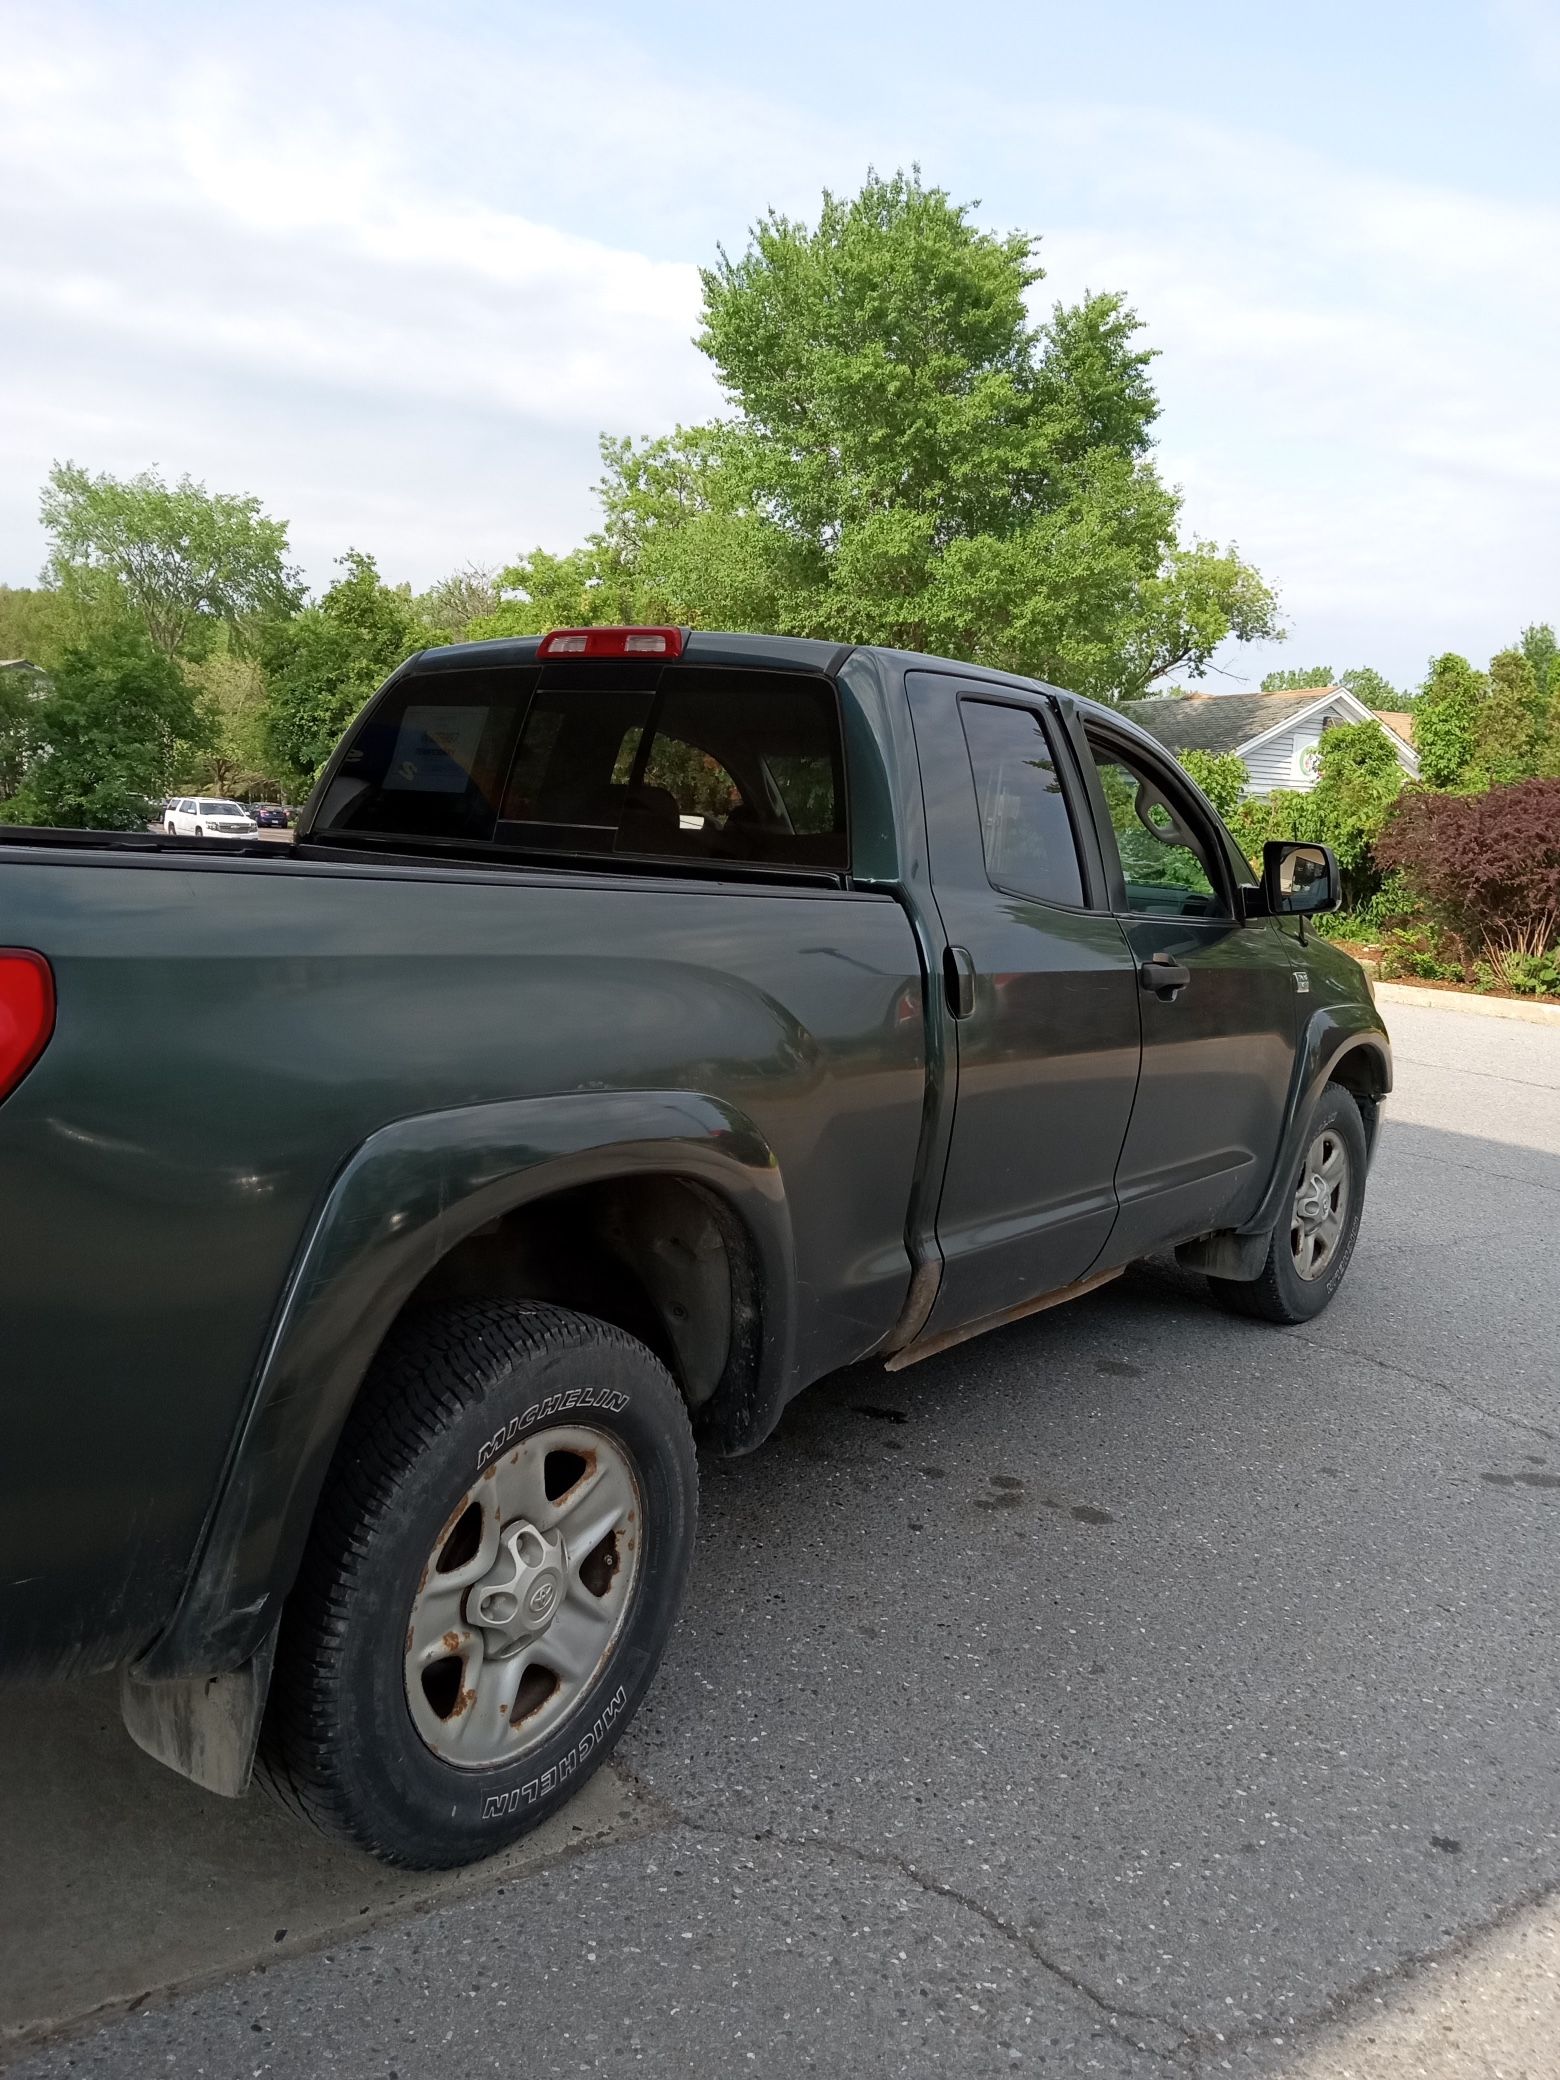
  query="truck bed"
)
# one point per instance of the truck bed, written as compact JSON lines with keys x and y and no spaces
{"x":236,"y":1018}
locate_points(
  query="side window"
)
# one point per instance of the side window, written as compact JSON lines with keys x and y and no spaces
{"x":1025,"y":829}
{"x":807,"y":784}
{"x":1167,"y":862}
{"x":429,"y":758}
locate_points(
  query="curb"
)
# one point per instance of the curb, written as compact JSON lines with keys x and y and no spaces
{"x":1465,"y":1001}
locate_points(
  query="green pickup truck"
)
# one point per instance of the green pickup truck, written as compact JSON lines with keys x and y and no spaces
{"x":638,"y":1026}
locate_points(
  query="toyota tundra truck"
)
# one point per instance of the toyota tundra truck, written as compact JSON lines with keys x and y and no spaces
{"x":639,"y":1025}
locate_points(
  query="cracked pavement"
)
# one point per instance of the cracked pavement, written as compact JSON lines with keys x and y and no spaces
{"x":1137,"y":1690}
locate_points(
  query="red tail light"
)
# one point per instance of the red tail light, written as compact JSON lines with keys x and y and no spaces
{"x":612,"y":642}
{"x":26,"y":1013}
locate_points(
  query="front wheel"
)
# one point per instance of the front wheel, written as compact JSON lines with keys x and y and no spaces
{"x":1310,"y":1250}
{"x":493,"y":1572}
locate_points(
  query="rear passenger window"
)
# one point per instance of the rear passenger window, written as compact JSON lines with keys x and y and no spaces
{"x":1025,"y":829}
{"x":686,"y":765}
{"x":663,"y":762}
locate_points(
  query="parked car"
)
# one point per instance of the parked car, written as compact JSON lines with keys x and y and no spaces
{"x":639,"y":1026}
{"x":271,"y":816}
{"x":194,"y":816}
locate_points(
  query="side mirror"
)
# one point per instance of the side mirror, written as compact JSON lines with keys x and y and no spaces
{"x":1300,"y":880}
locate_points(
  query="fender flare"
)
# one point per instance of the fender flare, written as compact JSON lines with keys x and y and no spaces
{"x":402,"y":1201}
{"x":1333,"y":1033}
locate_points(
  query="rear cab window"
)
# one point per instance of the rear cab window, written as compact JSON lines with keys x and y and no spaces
{"x":677,"y":762}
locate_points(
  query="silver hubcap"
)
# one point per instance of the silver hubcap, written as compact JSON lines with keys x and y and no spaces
{"x":1321,"y":1204}
{"x":523,"y":1596}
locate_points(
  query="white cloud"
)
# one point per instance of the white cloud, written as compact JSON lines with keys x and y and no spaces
{"x":1355,"y":376}
{"x":395,"y":274}
{"x":192,"y":279}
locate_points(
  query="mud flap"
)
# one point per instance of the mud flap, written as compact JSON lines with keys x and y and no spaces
{"x":1226,"y":1254}
{"x":205,"y":1727}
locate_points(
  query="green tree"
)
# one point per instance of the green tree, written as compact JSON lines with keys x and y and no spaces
{"x":1507,"y":724}
{"x":322,"y":665}
{"x":1538,"y":645}
{"x":1221,"y":775}
{"x":1444,"y":720}
{"x":35,"y":623}
{"x":106,"y":735}
{"x":180,"y":560}
{"x":1298,"y":678}
{"x":457,"y":602}
{"x":908,"y":460}
{"x":20,"y":689}
{"x":1371,"y":688}
{"x":232,"y":692}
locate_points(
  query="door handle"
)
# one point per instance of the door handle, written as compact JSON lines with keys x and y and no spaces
{"x":959,"y":980}
{"x":1166,"y":977}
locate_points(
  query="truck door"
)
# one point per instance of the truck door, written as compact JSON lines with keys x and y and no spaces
{"x":1218,"y":999}
{"x":1044,"y":990}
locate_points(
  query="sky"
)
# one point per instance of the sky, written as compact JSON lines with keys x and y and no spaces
{"x":393,"y":269}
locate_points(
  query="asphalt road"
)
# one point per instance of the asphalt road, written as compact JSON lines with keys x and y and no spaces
{"x":1136,"y":1691}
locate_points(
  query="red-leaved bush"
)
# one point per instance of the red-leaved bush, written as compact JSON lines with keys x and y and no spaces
{"x":1486,"y":866}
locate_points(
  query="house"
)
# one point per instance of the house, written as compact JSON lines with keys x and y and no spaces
{"x":1276,"y":736}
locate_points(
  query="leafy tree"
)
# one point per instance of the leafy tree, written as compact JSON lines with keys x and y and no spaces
{"x":19,"y":692}
{"x":1506,"y":724}
{"x":1371,"y":688}
{"x":232,"y":691}
{"x":1539,"y":647}
{"x":35,"y":623}
{"x":908,"y":460}
{"x":181,"y":560}
{"x":1359,"y":780}
{"x":1221,"y":775}
{"x":106,"y":734}
{"x":1444,"y":720}
{"x":1299,"y":678}
{"x":322,"y":665}
{"x":457,"y":602}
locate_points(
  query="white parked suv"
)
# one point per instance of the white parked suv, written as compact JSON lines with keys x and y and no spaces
{"x":195,"y":816}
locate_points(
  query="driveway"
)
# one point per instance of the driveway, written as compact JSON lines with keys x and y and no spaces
{"x":1138,"y":1690}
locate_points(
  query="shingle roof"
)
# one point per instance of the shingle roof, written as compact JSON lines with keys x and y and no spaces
{"x":1218,"y":721}
{"x":1398,"y":721}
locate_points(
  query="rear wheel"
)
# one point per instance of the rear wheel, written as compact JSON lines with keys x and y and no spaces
{"x":493,"y":1573}
{"x":1310,"y":1250}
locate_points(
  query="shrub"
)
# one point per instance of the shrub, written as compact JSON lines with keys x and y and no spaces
{"x":1414,"y":956}
{"x":1444,"y":719}
{"x":1390,"y":908}
{"x":1221,"y":776}
{"x":1530,"y":974}
{"x":1486,"y":867}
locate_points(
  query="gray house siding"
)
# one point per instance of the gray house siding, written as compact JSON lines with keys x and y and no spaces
{"x":1251,"y":726}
